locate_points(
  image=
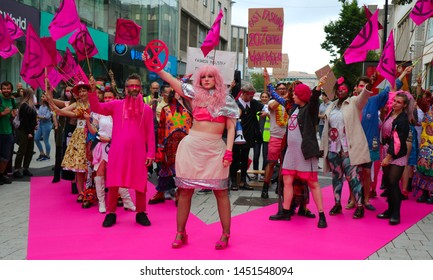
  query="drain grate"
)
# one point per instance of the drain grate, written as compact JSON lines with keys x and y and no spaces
{"x":254,"y":201}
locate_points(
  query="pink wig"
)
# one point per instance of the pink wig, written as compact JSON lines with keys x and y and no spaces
{"x":214,"y":102}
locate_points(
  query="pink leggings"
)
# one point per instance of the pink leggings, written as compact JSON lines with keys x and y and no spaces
{"x":140,"y":200}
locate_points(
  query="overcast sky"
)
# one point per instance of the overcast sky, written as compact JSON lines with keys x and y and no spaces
{"x":303,"y":27}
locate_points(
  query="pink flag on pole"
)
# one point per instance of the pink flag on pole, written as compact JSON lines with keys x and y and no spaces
{"x":387,"y":66}
{"x":14,"y":31}
{"x":5,"y":39}
{"x":127,"y":32}
{"x":50,"y":45}
{"x":83,"y":43}
{"x":368,"y":15}
{"x":8,"y":52}
{"x":213,"y":36}
{"x":367,"y":39}
{"x":68,"y":66}
{"x":65,"y":20}
{"x":422,"y":10}
{"x":35,"y":59}
{"x":80,"y":76}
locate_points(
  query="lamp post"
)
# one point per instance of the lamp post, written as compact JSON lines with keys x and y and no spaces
{"x":385,"y":25}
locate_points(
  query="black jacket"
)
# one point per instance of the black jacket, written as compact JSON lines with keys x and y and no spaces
{"x":307,"y":120}
{"x":401,"y":126}
{"x":250,"y":124}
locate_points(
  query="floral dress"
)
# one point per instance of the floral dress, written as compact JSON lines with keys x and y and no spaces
{"x":75,"y":155}
{"x":423,"y":178}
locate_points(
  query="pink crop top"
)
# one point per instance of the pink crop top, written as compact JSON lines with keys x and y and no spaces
{"x":202,"y":114}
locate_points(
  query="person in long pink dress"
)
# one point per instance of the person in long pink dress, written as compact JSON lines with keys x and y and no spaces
{"x":132,"y":147}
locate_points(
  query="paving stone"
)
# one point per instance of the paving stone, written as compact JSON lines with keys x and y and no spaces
{"x":406,"y":244}
{"x":417,"y":236}
{"x":419,"y":254}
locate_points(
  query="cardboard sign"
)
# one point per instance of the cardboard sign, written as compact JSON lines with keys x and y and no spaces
{"x":283,"y":72}
{"x":224,"y":61}
{"x":265,"y":37}
{"x":330,"y":82}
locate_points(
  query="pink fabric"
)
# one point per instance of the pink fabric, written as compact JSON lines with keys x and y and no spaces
{"x":397,"y":144}
{"x":50,"y":45}
{"x":422,"y":10}
{"x":127,"y":32}
{"x":14,"y":31}
{"x":133,"y":140}
{"x":83,"y":43}
{"x":68,"y":66}
{"x":367,"y":39}
{"x":65,"y":20}
{"x":299,"y":239}
{"x":387,"y":66}
{"x":368,"y":15}
{"x":33,"y":66}
{"x":5,"y":39}
{"x":304,"y":175}
{"x":213,"y":37}
{"x":97,"y":153}
{"x":202,"y":114}
{"x":8,"y":52}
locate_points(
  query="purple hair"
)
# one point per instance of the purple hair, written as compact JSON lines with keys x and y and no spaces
{"x":202,"y":96}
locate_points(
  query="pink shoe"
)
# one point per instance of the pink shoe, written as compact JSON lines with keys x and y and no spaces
{"x":221,"y":245}
{"x":178,"y":243}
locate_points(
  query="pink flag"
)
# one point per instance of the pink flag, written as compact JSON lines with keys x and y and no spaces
{"x":8,"y":52}
{"x":36,"y":58}
{"x":422,"y":10}
{"x":50,"y":45}
{"x":65,"y":20}
{"x":82,"y":43}
{"x":367,"y":39}
{"x":387,"y":67}
{"x":127,"y":32}
{"x":80,"y":76}
{"x":68,"y":66}
{"x":14,"y":31}
{"x":213,"y":36}
{"x":5,"y":39}
{"x":368,"y":15}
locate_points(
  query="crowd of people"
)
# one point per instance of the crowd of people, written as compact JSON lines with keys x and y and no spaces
{"x":186,"y":128}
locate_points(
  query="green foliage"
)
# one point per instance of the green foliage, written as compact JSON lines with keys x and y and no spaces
{"x":339,"y":35}
{"x":258,"y":81}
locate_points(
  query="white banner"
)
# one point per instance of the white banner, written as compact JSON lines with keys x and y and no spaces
{"x":224,"y":61}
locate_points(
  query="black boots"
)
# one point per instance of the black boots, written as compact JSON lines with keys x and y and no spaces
{"x":141,"y":218}
{"x":283,"y":215}
{"x":74,"y":189}
{"x":337,"y":209}
{"x":322,"y":221}
{"x":265,"y":190}
{"x":110,"y":220}
{"x":359,"y":212}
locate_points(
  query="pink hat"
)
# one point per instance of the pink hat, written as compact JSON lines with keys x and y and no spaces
{"x":80,"y":85}
{"x":303,"y":92}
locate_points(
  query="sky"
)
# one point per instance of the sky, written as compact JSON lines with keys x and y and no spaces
{"x":304,"y":21}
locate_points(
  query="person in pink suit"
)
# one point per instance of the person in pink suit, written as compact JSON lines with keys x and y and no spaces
{"x":132,"y":147}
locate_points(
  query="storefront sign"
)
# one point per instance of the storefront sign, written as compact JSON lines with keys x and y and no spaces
{"x":21,"y":14}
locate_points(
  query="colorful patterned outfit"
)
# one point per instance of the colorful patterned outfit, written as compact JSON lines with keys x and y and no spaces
{"x":423,"y":178}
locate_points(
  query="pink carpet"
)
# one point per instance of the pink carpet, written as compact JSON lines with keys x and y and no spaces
{"x":60,"y":230}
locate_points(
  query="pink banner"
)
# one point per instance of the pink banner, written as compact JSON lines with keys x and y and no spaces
{"x":83,"y":43}
{"x":65,"y":20}
{"x":127,"y":32}
{"x":422,"y":11}
{"x":80,"y":76}
{"x":387,"y":66}
{"x":213,"y":36}
{"x":50,"y":45}
{"x":8,"y":52}
{"x":14,"y":31}
{"x":367,"y":39}
{"x":5,"y":39}
{"x":35,"y":60}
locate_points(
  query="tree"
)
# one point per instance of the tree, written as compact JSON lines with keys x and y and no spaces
{"x":258,"y":81}
{"x":339,"y":35}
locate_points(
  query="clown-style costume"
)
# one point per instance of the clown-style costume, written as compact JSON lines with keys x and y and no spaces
{"x":423,"y":178}
{"x":75,"y":155}
{"x":200,"y":155}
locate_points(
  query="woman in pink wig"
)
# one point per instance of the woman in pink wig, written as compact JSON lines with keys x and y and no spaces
{"x":202,"y":158}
